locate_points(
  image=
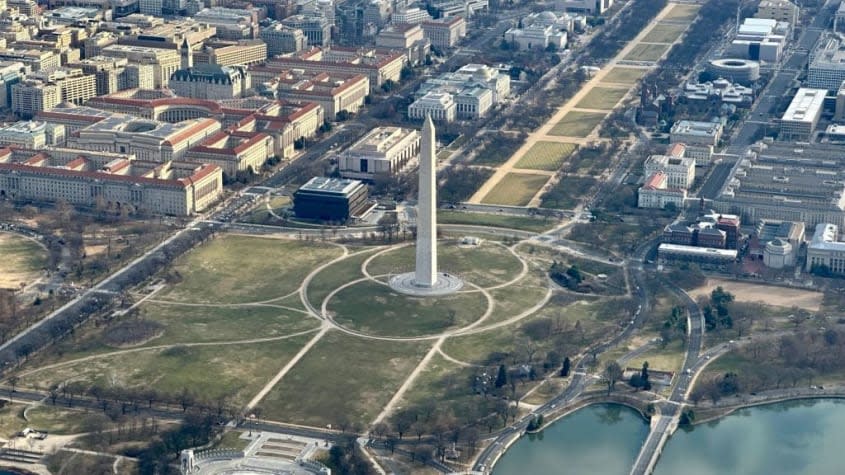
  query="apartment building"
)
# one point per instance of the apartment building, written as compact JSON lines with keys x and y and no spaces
{"x":115,"y":181}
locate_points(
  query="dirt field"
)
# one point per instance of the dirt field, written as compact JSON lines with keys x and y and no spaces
{"x":22,"y":260}
{"x":767,"y":294}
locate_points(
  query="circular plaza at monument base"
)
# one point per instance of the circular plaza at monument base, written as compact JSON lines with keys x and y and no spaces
{"x":444,"y":285}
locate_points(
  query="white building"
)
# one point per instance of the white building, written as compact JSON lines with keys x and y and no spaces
{"x":32,"y":135}
{"x":826,"y":249}
{"x":778,"y":254}
{"x":656,"y":194}
{"x":827,"y":64}
{"x":720,"y":90}
{"x":699,"y":138}
{"x":780,"y":10}
{"x":678,"y":168}
{"x":802,"y":116}
{"x":281,"y":39}
{"x":439,"y":105}
{"x":473,"y":103}
{"x":760,"y":39}
{"x":536,"y":37}
{"x":593,"y":7}
{"x":382,"y":151}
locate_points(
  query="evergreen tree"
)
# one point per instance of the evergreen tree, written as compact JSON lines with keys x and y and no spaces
{"x":502,"y":377}
{"x":564,"y":372}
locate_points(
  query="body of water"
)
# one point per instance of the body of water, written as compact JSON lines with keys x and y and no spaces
{"x":796,"y":438}
{"x":602,"y":439}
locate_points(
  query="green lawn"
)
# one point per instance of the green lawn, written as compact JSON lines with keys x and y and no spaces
{"x":441,"y":381}
{"x":239,"y":269}
{"x":622,"y":75}
{"x":602,"y":98}
{"x":664,"y":33}
{"x":60,"y":420}
{"x":184,"y":324}
{"x":547,"y":156}
{"x":577,"y":124}
{"x":334,"y":276}
{"x":22,"y":260}
{"x":496,"y":220}
{"x":519,"y":297}
{"x":342,"y":378}
{"x":646,"y":52}
{"x":484,"y":265}
{"x":375,"y":309}
{"x":515,"y":189}
{"x":567,"y":192}
{"x":683,"y":12}
{"x":208,"y":372}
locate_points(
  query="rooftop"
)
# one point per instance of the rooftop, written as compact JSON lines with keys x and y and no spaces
{"x":805,"y":106}
{"x":335,"y":186}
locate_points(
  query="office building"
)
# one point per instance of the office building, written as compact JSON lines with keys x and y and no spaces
{"x":382,"y":151}
{"x":316,"y":28}
{"x":231,"y":53}
{"x":36,"y":59}
{"x":704,"y":256}
{"x":337,"y":93}
{"x":233,"y":151}
{"x":759,"y":39}
{"x":699,"y":138}
{"x":787,"y":182}
{"x":656,"y":193}
{"x":678,"y":168}
{"x":802,"y":116}
{"x":229,"y":23}
{"x":34,"y":95}
{"x":446,"y":32}
{"x":826,"y":250}
{"x":146,"y":139}
{"x":32,"y":135}
{"x":826,"y":68}
{"x":281,"y":40}
{"x":164,"y":62}
{"x":115,"y":181}
{"x":409,"y":38}
{"x":379,"y":65}
{"x":779,"y":10}
{"x":593,"y":7}
{"x":330,"y":199}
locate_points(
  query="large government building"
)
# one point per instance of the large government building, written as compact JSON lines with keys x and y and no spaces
{"x":330,"y":199}
{"x":110,"y":180}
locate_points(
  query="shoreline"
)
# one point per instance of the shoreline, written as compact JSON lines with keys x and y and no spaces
{"x":719,"y":413}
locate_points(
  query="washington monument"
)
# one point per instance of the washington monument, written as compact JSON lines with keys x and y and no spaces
{"x":426,"y":270}
{"x":426,"y":280}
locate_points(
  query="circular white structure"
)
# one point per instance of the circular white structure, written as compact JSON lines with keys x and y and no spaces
{"x":738,"y":70}
{"x":778,"y":254}
{"x":444,"y":285}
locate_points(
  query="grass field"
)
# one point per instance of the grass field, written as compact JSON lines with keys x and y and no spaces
{"x":334,"y":276}
{"x":682,"y":12}
{"x":22,"y":260}
{"x":664,"y":33}
{"x":342,"y":378}
{"x":238,"y":269}
{"x":548,"y":156}
{"x":646,"y":52}
{"x":184,"y":324}
{"x":515,"y":189}
{"x":376,"y":309}
{"x":519,"y":297}
{"x":208,"y":372}
{"x":496,"y":220}
{"x":441,"y":381}
{"x":485,"y":265}
{"x":622,"y":75}
{"x":577,"y":124}
{"x":602,"y":98}
{"x":567,"y":192}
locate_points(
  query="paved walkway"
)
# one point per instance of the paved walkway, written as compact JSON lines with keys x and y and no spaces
{"x":542,"y":134}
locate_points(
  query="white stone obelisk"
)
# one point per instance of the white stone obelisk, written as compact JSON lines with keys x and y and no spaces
{"x":426,"y":270}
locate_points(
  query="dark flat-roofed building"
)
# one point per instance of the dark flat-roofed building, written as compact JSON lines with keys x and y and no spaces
{"x":330,"y":199}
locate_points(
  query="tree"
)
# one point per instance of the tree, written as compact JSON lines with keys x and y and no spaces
{"x":612,"y":374}
{"x":646,"y":384}
{"x":564,"y":371}
{"x":502,"y":377}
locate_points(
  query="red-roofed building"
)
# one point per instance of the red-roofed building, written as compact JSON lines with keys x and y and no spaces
{"x":655,"y":194}
{"x":109,"y":180}
{"x":234,"y":151}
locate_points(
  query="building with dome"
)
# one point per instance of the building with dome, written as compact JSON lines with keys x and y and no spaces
{"x":472,"y":91}
{"x":778,"y":254}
